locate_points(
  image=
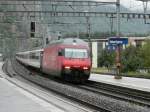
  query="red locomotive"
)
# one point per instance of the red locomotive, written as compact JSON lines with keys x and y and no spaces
{"x":66,"y":58}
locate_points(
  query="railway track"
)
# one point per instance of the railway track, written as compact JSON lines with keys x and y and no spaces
{"x":93,"y":107}
{"x":45,"y":95}
{"x":131,"y":95}
{"x":99,"y":89}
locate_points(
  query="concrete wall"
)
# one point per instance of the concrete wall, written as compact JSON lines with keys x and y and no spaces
{"x":94,"y":54}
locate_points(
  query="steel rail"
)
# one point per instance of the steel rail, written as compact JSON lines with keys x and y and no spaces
{"x":86,"y":88}
{"x":99,"y":108}
{"x":142,"y":95}
{"x":42,"y":90}
{"x":113,"y":92}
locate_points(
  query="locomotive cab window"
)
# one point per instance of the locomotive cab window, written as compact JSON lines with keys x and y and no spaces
{"x":76,"y":53}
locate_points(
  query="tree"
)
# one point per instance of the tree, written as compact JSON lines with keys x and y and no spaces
{"x":145,"y":53}
{"x":106,"y":58}
{"x":131,"y":59}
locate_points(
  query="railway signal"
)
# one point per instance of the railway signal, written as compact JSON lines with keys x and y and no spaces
{"x":32,"y":29}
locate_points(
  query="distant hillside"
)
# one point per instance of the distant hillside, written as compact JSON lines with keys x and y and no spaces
{"x":101,"y":24}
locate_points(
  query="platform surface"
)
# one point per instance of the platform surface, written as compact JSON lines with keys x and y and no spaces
{"x":13,"y":99}
{"x":134,"y":83}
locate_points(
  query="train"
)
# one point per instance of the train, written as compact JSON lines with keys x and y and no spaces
{"x":68,"y":59}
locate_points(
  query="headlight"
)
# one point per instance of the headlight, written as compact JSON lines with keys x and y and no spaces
{"x":85,"y":68}
{"x":67,"y":67}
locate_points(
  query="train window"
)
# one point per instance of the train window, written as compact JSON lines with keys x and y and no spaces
{"x":37,"y":56}
{"x":34,"y":55}
{"x":76,"y":53}
{"x":60,"y":52}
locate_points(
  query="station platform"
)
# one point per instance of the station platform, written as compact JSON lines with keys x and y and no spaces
{"x":15,"y":99}
{"x":133,"y":83}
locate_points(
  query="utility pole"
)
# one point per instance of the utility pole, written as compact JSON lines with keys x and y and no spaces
{"x":3,"y":44}
{"x":145,"y":3}
{"x":145,"y":6}
{"x":89,"y":35}
{"x":118,"y":50}
{"x":111,"y":24}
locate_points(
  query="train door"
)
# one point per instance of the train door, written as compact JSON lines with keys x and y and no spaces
{"x":55,"y":60}
{"x":41,"y":60}
{"x":59,"y":60}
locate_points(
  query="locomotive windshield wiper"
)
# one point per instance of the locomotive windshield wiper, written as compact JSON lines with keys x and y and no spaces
{"x":71,"y":56}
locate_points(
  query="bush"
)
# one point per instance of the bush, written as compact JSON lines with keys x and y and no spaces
{"x":145,"y":54}
{"x":131,"y":59}
{"x":106,"y":59}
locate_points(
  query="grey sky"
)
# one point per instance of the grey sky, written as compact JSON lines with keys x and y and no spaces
{"x":132,"y":4}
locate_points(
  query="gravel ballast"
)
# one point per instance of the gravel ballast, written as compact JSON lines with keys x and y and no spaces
{"x":80,"y":94}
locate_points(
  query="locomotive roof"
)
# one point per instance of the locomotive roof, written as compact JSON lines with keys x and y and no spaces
{"x":69,"y":41}
{"x":32,"y":51}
